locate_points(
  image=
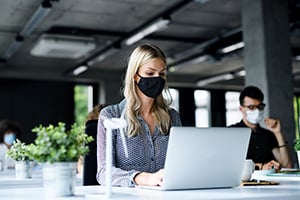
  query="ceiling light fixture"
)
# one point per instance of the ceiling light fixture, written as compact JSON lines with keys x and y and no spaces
{"x":233,"y":47}
{"x":63,"y":46}
{"x":80,"y":70}
{"x":105,"y":54}
{"x":214,"y":79}
{"x":196,"y":60}
{"x":240,"y":73}
{"x":157,"y":25}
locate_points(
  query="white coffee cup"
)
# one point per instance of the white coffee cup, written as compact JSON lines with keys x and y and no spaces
{"x":248,"y":169}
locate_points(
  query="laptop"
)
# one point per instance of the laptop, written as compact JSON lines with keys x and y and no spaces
{"x":201,"y":158}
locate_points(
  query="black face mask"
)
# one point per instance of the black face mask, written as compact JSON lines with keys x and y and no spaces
{"x":151,"y":86}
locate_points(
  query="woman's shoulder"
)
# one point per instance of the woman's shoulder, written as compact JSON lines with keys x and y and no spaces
{"x":113,"y":110}
{"x":3,"y":149}
{"x":175,"y":117}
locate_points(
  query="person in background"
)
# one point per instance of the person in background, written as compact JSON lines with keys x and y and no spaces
{"x":148,"y":117}
{"x":9,"y":131}
{"x":92,"y":118}
{"x":94,"y":114}
{"x":267,"y":147}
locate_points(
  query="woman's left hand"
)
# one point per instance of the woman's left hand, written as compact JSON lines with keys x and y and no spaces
{"x":150,"y":179}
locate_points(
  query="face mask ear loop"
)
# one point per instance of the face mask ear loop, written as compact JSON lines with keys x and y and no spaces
{"x":139,"y":76}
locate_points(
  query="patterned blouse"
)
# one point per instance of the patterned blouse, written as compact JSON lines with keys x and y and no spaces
{"x":146,"y":152}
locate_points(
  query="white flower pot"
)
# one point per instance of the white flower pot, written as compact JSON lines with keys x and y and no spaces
{"x":23,"y":169}
{"x":59,"y":178}
{"x":298,"y":155}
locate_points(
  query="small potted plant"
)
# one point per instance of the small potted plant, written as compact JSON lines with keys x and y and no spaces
{"x":59,"y":150}
{"x":297,"y":149}
{"x":20,"y":153}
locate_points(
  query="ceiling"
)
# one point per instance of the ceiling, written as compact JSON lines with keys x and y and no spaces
{"x":195,"y":28}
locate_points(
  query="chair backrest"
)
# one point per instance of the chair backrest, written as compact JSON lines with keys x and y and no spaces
{"x":90,"y":160}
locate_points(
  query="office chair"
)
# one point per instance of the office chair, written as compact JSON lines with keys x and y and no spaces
{"x":90,"y":160}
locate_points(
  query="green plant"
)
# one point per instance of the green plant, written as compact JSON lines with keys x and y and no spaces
{"x":56,"y":144}
{"x":19,"y":151}
{"x":297,"y":144}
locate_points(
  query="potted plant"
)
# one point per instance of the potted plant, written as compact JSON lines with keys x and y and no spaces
{"x":20,"y":153}
{"x":59,"y":150}
{"x":297,"y":149}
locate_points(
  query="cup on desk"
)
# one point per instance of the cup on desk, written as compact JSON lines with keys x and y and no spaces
{"x":1,"y":165}
{"x":248,"y":169}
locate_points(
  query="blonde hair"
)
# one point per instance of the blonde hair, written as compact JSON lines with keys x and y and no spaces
{"x":140,"y":56}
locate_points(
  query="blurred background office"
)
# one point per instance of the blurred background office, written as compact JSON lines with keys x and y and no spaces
{"x":60,"y":58}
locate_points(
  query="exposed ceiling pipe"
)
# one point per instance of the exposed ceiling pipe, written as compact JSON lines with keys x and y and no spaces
{"x":37,"y":17}
{"x":162,"y":17}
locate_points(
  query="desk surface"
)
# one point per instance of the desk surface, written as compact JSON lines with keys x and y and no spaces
{"x":285,"y":191}
{"x":8,"y":179}
{"x":32,"y":189}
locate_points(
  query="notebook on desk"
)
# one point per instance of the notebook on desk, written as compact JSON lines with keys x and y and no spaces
{"x":199,"y":158}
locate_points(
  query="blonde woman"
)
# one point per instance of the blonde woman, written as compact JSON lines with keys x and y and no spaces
{"x":149,"y":119}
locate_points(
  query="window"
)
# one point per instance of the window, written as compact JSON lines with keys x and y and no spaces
{"x":202,"y":112}
{"x":297,"y":115}
{"x":233,"y":114}
{"x":175,"y":98}
{"x":83,"y":99}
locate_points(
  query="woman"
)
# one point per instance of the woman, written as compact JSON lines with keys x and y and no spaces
{"x":149,"y":119}
{"x":9,"y":131}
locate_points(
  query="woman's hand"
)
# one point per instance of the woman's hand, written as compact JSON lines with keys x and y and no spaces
{"x":271,"y":165}
{"x":149,"y":179}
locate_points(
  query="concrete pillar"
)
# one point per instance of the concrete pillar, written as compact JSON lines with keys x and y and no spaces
{"x":111,"y":91}
{"x":267,"y":58}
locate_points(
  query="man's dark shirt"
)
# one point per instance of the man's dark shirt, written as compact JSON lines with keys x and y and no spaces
{"x":262,"y":141}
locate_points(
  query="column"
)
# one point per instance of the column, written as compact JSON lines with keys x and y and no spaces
{"x":267,"y":59}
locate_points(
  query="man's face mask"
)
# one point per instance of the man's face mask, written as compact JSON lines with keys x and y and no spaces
{"x":254,"y":116}
{"x":9,"y":138}
{"x":151,"y":86}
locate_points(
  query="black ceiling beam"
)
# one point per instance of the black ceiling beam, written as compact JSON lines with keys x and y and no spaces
{"x":165,"y":14}
{"x":119,"y":41}
{"x":211,"y":46}
{"x":92,"y":32}
{"x":82,"y":32}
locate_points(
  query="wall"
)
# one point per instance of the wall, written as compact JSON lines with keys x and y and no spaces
{"x":36,"y":102}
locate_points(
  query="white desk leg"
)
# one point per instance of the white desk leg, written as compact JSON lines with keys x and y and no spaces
{"x":109,"y":124}
{"x":108,"y":175}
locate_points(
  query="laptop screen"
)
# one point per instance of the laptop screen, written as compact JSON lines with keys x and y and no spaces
{"x":205,"y":157}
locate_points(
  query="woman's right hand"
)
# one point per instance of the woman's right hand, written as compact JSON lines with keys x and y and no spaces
{"x":149,"y":179}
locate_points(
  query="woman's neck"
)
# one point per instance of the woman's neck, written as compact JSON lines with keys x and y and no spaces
{"x":146,"y":104}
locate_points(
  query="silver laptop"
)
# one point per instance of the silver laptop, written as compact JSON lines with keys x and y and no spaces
{"x":199,"y":158}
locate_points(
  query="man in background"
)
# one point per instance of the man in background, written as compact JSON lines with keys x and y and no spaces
{"x":267,"y":147}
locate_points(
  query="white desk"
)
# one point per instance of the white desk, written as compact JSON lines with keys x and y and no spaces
{"x":286,"y":191}
{"x":8,"y":179}
{"x":257,"y":175}
{"x":10,"y":188}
